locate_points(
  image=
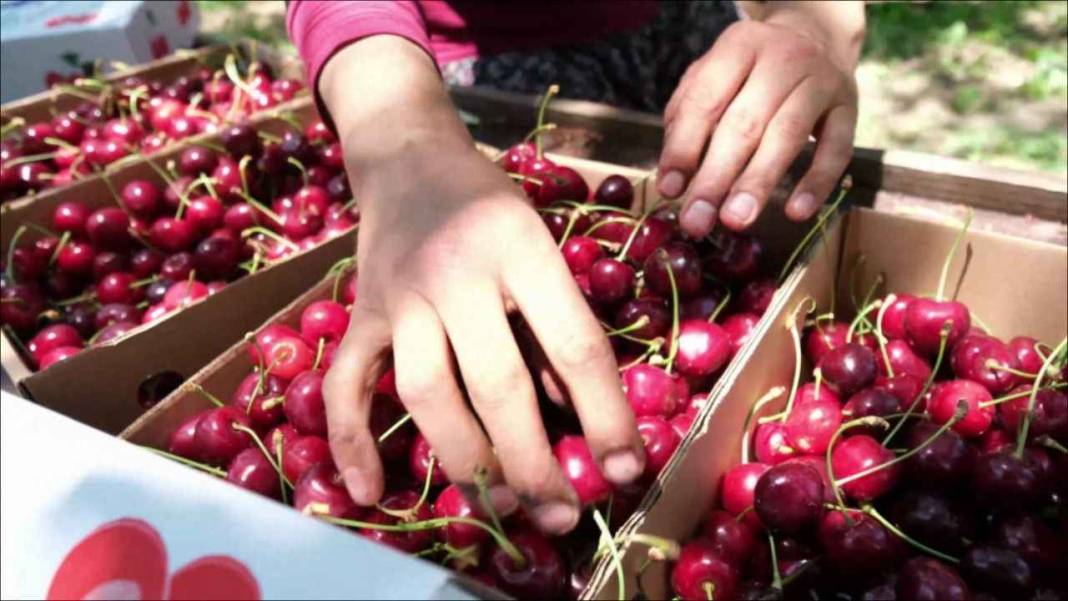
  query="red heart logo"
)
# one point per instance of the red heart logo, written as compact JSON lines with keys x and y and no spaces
{"x":214,"y":577}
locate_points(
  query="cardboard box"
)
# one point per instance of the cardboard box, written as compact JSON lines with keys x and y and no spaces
{"x":63,"y":39}
{"x":99,"y":386}
{"x":1018,"y":287}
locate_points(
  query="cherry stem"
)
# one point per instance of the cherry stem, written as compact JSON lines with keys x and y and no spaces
{"x":204,"y":391}
{"x":230,"y":68}
{"x":259,"y":229}
{"x":889,"y":300}
{"x":242,"y":170}
{"x":396,"y":426}
{"x":209,"y":469}
{"x":993,"y":365}
{"x":944,"y":336}
{"x":262,"y":208}
{"x":868,"y":509}
{"x":1016,"y":395}
{"x":638,"y":324}
{"x":267,"y":454}
{"x":268,"y":137}
{"x":63,"y":240}
{"x":674,"y":316}
{"x":768,"y":397}
{"x":720,"y":307}
{"x":854,"y":269}
{"x":572,"y":219}
{"x":818,"y":226}
{"x":525,"y":178}
{"x":609,"y":541}
{"x":870,"y":421}
{"x":795,"y":335}
{"x":203,"y":180}
{"x":300,"y":166}
{"x":161,"y":172}
{"x":1025,"y":425}
{"x":962,"y":409}
{"x":30,"y":158}
{"x":10,"y":269}
{"x":319,"y":353}
{"x":817,"y":381}
{"x":653,"y":347}
{"x":776,"y":575}
{"x":941,"y":294}
{"x":584,"y":207}
{"x":410,"y":513}
{"x":552,"y":91}
{"x":633,"y":234}
{"x":527,"y":138}
{"x":628,"y":220}
{"x":862,"y":316}
{"x":10,"y":126}
{"x":60,"y":142}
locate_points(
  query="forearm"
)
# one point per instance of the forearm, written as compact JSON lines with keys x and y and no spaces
{"x":837,"y":25}
{"x":386,"y":99}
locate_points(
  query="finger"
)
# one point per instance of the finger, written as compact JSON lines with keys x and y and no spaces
{"x":834,"y":149}
{"x":736,"y":137}
{"x":502,"y":394}
{"x":539,"y":364}
{"x":785,"y":138}
{"x":347,"y":390}
{"x":427,"y":388}
{"x":576,"y":346}
{"x":697,"y":105}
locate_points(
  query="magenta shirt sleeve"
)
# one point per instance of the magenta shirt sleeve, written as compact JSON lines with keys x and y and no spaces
{"x":319,"y":29}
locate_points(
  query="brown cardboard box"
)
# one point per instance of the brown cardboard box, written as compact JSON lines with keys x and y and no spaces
{"x":99,"y":386}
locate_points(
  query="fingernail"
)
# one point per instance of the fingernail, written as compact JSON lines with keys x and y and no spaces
{"x":622,"y":467}
{"x":698,"y":217}
{"x":742,"y":207}
{"x":503,"y":500}
{"x":356,"y":484}
{"x":803,"y":205}
{"x":555,"y":517}
{"x":672,"y":184}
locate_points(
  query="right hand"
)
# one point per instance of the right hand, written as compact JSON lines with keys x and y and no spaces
{"x":448,"y":247}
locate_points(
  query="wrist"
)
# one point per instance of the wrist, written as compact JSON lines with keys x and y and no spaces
{"x":840,"y":35}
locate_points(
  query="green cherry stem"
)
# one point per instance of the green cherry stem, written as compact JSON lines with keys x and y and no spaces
{"x":823,"y":218}
{"x":795,"y":336}
{"x":889,"y":300}
{"x":674,"y":349}
{"x":1015,"y":395}
{"x":868,"y":509}
{"x":776,"y":575}
{"x":397,"y":425}
{"x":836,"y":487}
{"x":719,"y":307}
{"x":208,"y":469}
{"x":552,"y":91}
{"x":204,"y":392}
{"x":944,"y":335}
{"x":768,"y":397}
{"x":259,"y":443}
{"x":941,"y":294}
{"x":1025,"y":425}
{"x":861,"y":316}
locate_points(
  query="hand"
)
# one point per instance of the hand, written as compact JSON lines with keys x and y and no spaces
{"x":752,"y":101}
{"x":447,"y":248}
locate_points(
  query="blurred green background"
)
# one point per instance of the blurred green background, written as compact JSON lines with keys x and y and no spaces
{"x":982,"y":81}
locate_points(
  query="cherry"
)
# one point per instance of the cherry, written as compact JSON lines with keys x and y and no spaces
{"x":338,"y":189}
{"x":1050,"y":415}
{"x":76,"y":258}
{"x":943,"y":404}
{"x":925,"y":318}
{"x":124,"y":131}
{"x":772,"y":444}
{"x":560,"y":183}
{"x":182,"y":441}
{"x":703,"y":348}
{"x":115,"y":312}
{"x":219,"y":442}
{"x":660,"y":441}
{"x":204,"y":213}
{"x":218,"y":90}
{"x":411,"y":541}
{"x":1028,"y":536}
{"x":682,"y":422}
{"x":302,"y":454}
{"x":652,"y":234}
{"x":739,"y":484}
{"x":298,"y":224}
{"x":184,"y":293}
{"x":322,"y":489}
{"x":385,"y":412}
{"x":704,"y":305}
{"x":904,"y":361}
{"x":824,"y":338}
{"x":266,"y":338}
{"x":239,"y":217}
{"x":176,"y":268}
{"x":34,"y":176}
{"x":304,"y":406}
{"x":848,"y":368}
{"x":756,"y":295}
{"x":810,"y":426}
{"x":68,"y":129}
{"x":28,"y":263}
{"x":153,"y":143}
{"x":58,"y":354}
{"x":739,"y":328}
{"x":933,"y":520}
{"x":703,"y":572}
{"x":650,"y":391}
{"x":419,"y":462}
{"x":736,"y":539}
{"x":611,"y":281}
{"x":858,"y":546}
{"x":978,"y":358}
{"x":789,"y":497}
{"x":581,"y":470}
{"x":927,"y":579}
{"x":33,"y":137}
{"x":944,"y":463}
{"x":580,"y":253}
{"x":859,"y":453}
{"x":216,"y":258}
{"x":655,"y":311}
{"x":615,"y":191}
{"x":82,"y":318}
{"x":52,"y":337}
{"x":172,"y":234}
{"x":295,"y":146}
{"x":537,"y":171}
{"x":871,"y":401}
{"x":452,"y":503}
{"x":905,"y":388}
{"x":1004,"y":481}
{"x":541,"y":575}
{"x":119,"y":287}
{"x":517,"y":156}
{"x":107,"y":152}
{"x":283,"y":434}
{"x":323,"y":319}
{"x":252,"y":471}
{"x":736,"y":256}
{"x":258,"y":398}
{"x":107,"y":262}
{"x":809,"y":392}
{"x":685,"y":265}
{"x":227,"y":177}
{"x":1026,"y":351}
{"x":114,"y":331}
{"x":70,"y":216}
{"x":240,"y":140}
{"x":59,"y":284}
{"x":287,"y":357}
{"x":174,"y":191}
{"x":999,"y":571}
{"x":613,"y":228}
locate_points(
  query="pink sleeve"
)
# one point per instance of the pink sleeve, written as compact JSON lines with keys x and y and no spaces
{"x":319,"y":29}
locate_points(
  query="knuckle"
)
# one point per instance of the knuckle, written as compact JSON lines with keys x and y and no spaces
{"x":792,"y":128}
{"x":344,"y":440}
{"x":581,"y":349}
{"x":418,"y":390}
{"x":743,"y":125}
{"x":699,"y":101}
{"x":492,"y":390}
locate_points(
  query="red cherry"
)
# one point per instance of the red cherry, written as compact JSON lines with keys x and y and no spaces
{"x":259,"y":399}
{"x":982,"y":359}
{"x":580,"y":253}
{"x":184,"y":293}
{"x":611,"y":281}
{"x":703,"y":348}
{"x":542,"y":574}
{"x":251,"y":470}
{"x":739,"y":328}
{"x":904,"y":361}
{"x":58,"y":354}
{"x":411,"y":541}
{"x":808,"y":392}
{"x":615,"y":191}
{"x":703,"y":572}
{"x":581,"y":470}
{"x":823,"y":338}
{"x":451,"y":503}
{"x":1050,"y":414}
{"x":1026,"y":351}
{"x":925,"y":318}
{"x":943,"y":404}
{"x":76,"y":258}
{"x":119,"y":287}
{"x":650,"y":391}
{"x":660,"y":441}
{"x":848,"y":368}
{"x":108,"y":229}
{"x":738,"y":485}
{"x":219,"y":442}
{"x":321,"y":489}
{"x":204,"y":213}
{"x":172,"y":235}
{"x":652,"y":234}
{"x":303,"y":453}
{"x":182,"y":441}
{"x":266,"y":338}
{"x":856,"y":454}
{"x":517,"y":156}
{"x":685,"y":266}
{"x":894,"y":316}
{"x":811,"y":426}
{"x":70,"y":216}
{"x":419,"y":462}
{"x":736,"y":539}
{"x":287,"y":357}
{"x":772,"y":444}
{"x":323,"y":319}
{"x":789,"y":497}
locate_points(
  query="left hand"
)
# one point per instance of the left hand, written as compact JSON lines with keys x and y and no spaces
{"x":752,"y":101}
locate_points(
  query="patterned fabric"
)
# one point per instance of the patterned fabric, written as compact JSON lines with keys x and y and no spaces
{"x":637,"y":70}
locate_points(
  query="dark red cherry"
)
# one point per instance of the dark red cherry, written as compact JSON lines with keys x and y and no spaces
{"x":581,"y":470}
{"x":789,"y":498}
{"x":685,"y":265}
{"x":736,"y":256}
{"x":906,"y":388}
{"x":216,"y":258}
{"x":703,"y":305}
{"x":177,"y":267}
{"x":945,"y":397}
{"x":240,"y":140}
{"x":172,"y":235}
{"x":615,"y":191}
{"x":823,"y":338}
{"x":321,"y":491}
{"x":542,"y":575}
{"x":411,"y":541}
{"x":737,"y":539}
{"x":303,"y":453}
{"x":107,"y":262}
{"x":652,"y":234}
{"x":894,"y":316}
{"x":251,"y":470}
{"x":304,"y":406}
{"x":561,"y":183}
{"x":1049,"y":416}
{"x":108,"y":229}
{"x":848,"y":368}
{"x":114,"y":312}
{"x":1032,"y":539}
{"x":611,"y":281}
{"x":933,"y":520}
{"x":927,"y":579}
{"x":182,"y":441}
{"x":1003,"y":481}
{"x":660,"y":441}
{"x":702,"y":572}
{"x":857,"y":454}
{"x":925,"y":318}
{"x":943,"y":464}
{"x":870,"y":401}
{"x":654,"y":311}
{"x":119,"y":287}
{"x":219,"y":442}
{"x":997,"y":570}
{"x":756,"y":295}
{"x":260,"y":398}
{"x":385,"y":412}
{"x":858,"y":546}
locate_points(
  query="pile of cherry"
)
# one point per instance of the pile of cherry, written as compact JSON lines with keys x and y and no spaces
{"x":132,"y":116}
{"x":97,"y":274}
{"x":926,"y":459}
{"x":675,"y":310}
